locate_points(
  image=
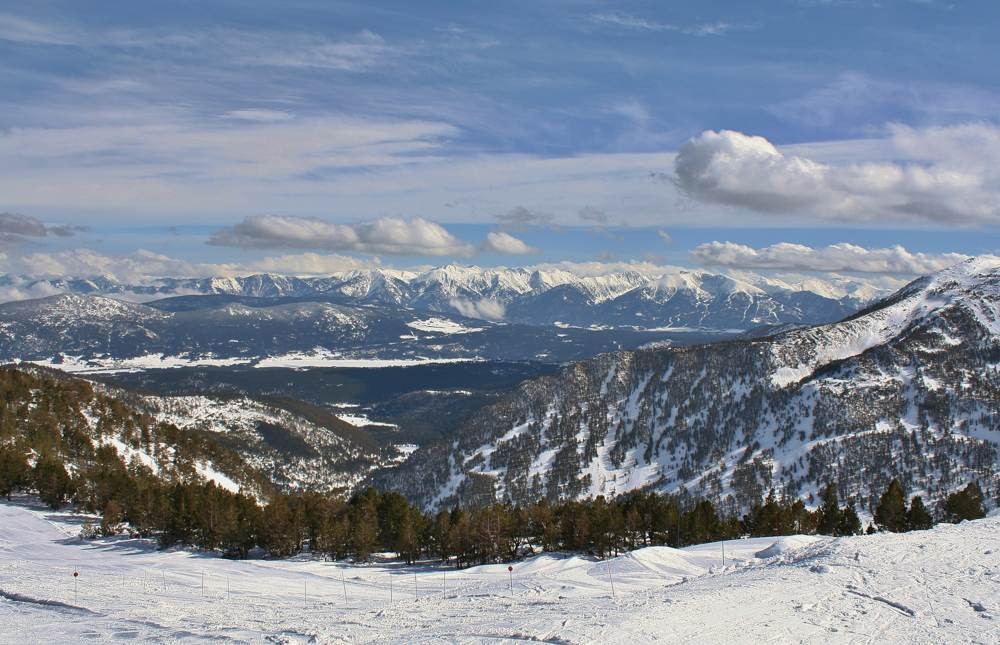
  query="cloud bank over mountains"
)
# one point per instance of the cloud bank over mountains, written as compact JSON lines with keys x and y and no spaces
{"x":383,"y":236}
{"x":843,"y":257}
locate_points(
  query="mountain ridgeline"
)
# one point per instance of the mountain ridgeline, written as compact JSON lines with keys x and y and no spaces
{"x":449,"y":313}
{"x":679,"y":298}
{"x":906,"y":389}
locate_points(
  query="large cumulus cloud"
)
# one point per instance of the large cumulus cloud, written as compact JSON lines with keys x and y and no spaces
{"x":951,"y":176}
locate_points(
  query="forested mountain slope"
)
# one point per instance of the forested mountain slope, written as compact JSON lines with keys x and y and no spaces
{"x":241,"y":444}
{"x":908,"y":388}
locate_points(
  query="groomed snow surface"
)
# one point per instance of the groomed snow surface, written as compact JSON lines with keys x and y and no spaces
{"x":932,"y":586}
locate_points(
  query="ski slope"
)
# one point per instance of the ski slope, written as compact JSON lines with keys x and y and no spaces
{"x":933,"y":586}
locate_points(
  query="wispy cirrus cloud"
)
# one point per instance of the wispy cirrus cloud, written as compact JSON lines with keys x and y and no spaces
{"x":638,"y":23}
{"x":521,"y":217}
{"x":843,"y":257}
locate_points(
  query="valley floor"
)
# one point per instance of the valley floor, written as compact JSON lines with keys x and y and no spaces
{"x":935,"y":586}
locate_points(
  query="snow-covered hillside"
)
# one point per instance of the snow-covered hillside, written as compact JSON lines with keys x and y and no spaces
{"x":291,"y":451}
{"x":909,"y":388}
{"x":941,"y":585}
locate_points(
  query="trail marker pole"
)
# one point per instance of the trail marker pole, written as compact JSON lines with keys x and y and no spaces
{"x":76,"y":575}
{"x":510,"y":574}
{"x":343,"y":583}
{"x":202,"y":583}
{"x":444,"y":584}
{"x":723,"y":553}
{"x":416,"y":594}
{"x":163,"y":576}
{"x":390,"y":588}
{"x":228,"y":589}
{"x":612,"y":579}
{"x":305,"y":593}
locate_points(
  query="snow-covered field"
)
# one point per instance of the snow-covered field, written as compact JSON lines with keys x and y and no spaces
{"x":934,"y":586}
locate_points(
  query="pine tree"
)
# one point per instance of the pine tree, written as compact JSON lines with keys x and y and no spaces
{"x":966,"y":504}
{"x":111,"y":518}
{"x":850,"y":523}
{"x":14,"y":470}
{"x":364,"y":530}
{"x":918,"y":517}
{"x":829,"y":511}
{"x":890,"y":514}
{"x":52,"y":481}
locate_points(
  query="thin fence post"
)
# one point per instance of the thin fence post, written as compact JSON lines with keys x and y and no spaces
{"x":416,"y":594}
{"x":229,"y":592}
{"x":612,"y":579}
{"x":390,"y":588}
{"x":444,"y":584}
{"x":305,"y":592}
{"x":343,"y":582}
{"x":202,"y":583}
{"x":723,"y":552}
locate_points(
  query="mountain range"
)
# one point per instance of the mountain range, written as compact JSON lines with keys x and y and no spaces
{"x":447,"y":313}
{"x":907,"y":388}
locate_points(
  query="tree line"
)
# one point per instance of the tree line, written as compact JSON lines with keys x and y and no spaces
{"x":201,"y":514}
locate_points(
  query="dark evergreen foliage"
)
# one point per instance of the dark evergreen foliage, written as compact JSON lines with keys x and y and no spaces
{"x":966,"y":504}
{"x":890,"y":514}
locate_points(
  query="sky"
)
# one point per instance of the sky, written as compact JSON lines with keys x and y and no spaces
{"x":315,"y":136}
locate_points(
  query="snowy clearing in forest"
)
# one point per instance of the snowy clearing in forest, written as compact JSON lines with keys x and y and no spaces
{"x":442,"y":326}
{"x":941,"y":585}
{"x":324,"y":358}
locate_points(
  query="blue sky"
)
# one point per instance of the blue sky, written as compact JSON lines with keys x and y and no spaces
{"x":417,"y":133}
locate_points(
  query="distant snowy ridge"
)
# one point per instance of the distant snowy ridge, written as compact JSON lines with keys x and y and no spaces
{"x":683,"y":298}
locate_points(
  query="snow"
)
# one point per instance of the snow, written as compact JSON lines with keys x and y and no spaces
{"x":80,"y":365}
{"x":927,"y":586}
{"x":325,"y":358}
{"x":442,"y":326}
{"x":360,"y":421}
{"x":221,"y":479}
{"x":830,"y":343}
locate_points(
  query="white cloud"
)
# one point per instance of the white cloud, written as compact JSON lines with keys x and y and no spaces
{"x":361,"y":52}
{"x":390,"y":235}
{"x":21,"y":30}
{"x":485,"y":309}
{"x":953,"y":177}
{"x":500,"y":242}
{"x":260,"y":115}
{"x":843,"y":257}
{"x":637,"y":23}
{"x":666,"y":237}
